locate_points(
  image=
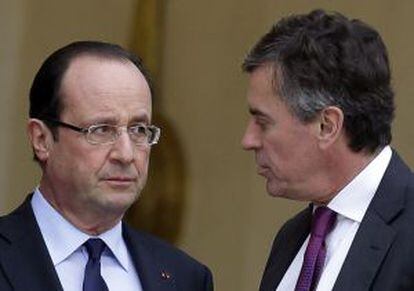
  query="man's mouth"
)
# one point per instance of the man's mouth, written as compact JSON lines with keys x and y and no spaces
{"x":120,"y":181}
{"x":262,"y":171}
{"x":126,"y":179}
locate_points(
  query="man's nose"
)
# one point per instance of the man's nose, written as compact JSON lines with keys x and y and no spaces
{"x":123,"y":150}
{"x":251,"y":137}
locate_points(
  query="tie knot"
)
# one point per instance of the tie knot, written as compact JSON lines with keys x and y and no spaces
{"x":95,"y":248}
{"x":323,"y":221}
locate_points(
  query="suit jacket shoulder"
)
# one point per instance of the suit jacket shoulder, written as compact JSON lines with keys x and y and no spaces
{"x":285,"y":246}
{"x":164,"y":267}
{"x":381,"y":256}
{"x":25,"y":263}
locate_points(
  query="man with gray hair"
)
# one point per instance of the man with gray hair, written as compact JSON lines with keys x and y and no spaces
{"x":321,"y":108}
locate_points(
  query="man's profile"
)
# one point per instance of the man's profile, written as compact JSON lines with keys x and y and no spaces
{"x":321,"y":106}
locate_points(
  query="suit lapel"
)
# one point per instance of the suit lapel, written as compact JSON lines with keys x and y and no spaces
{"x":152,"y":274}
{"x":24,"y":258}
{"x":368,"y":249}
{"x":376,"y":234}
{"x":284,"y":249}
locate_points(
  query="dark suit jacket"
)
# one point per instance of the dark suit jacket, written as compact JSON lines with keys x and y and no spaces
{"x":381,"y":256}
{"x":25,"y":263}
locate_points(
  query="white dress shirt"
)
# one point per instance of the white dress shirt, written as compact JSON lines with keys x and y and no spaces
{"x":350,"y":204}
{"x":65,"y":245}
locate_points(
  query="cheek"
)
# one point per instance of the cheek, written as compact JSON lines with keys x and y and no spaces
{"x":89,"y":163}
{"x":283,"y":156}
{"x":274,"y":150}
{"x":142,"y":161}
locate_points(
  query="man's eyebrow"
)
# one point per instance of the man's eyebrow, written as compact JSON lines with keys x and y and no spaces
{"x":257,"y":112}
{"x":140,"y":118}
{"x":113,"y":120}
{"x":103,"y":120}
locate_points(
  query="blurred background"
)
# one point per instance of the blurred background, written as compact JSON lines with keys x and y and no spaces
{"x":204,"y":194}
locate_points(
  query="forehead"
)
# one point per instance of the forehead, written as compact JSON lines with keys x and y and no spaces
{"x":263,"y":99}
{"x":96,"y":86}
{"x":261,"y":93}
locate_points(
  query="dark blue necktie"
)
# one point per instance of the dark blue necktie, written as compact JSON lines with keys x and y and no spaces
{"x":93,"y":280}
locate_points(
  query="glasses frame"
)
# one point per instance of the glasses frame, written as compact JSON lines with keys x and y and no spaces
{"x":87,"y":131}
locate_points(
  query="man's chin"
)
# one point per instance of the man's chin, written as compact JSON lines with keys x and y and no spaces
{"x":274,"y":190}
{"x":118,"y":200}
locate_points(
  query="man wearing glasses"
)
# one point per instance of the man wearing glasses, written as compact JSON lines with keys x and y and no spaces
{"x":91,"y":133}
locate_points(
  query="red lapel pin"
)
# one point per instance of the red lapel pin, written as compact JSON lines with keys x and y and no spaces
{"x":165,"y":275}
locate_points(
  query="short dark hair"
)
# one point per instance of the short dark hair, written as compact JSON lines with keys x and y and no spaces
{"x":324,"y":59}
{"x":45,"y":99}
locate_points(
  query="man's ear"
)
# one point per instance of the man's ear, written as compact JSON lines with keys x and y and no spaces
{"x":40,"y":138}
{"x":331,"y":120}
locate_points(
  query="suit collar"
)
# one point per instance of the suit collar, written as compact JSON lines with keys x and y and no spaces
{"x":376,"y":233}
{"x":24,"y":253}
{"x":285,"y":248}
{"x":22,"y":244}
{"x":390,"y":198}
{"x":353,"y":200}
{"x":153,"y":274}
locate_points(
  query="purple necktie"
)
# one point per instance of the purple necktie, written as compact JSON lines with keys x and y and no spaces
{"x":322,"y":223}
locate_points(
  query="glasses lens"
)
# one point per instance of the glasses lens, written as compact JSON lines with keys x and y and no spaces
{"x":139,"y":133}
{"x":102,"y":133}
{"x":155,"y":134}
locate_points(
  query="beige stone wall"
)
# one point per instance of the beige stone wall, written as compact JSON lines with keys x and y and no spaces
{"x":11,"y":31}
{"x":229,"y":220}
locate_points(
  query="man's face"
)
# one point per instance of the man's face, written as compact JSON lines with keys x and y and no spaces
{"x":80,"y":177}
{"x":286,"y":149}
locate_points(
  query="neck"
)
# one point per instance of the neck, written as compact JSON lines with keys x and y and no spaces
{"x":342,"y":169}
{"x":91,"y":225}
{"x":92,"y":221}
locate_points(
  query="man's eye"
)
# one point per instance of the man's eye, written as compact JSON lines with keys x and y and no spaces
{"x":263,"y":124}
{"x":102,"y":129}
{"x":137,"y":129}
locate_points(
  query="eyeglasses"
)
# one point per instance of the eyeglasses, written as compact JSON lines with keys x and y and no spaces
{"x":139,"y":133}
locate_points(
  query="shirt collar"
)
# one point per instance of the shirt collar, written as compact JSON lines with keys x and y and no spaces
{"x":115,"y":242}
{"x":352,"y":201}
{"x":62,"y":238}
